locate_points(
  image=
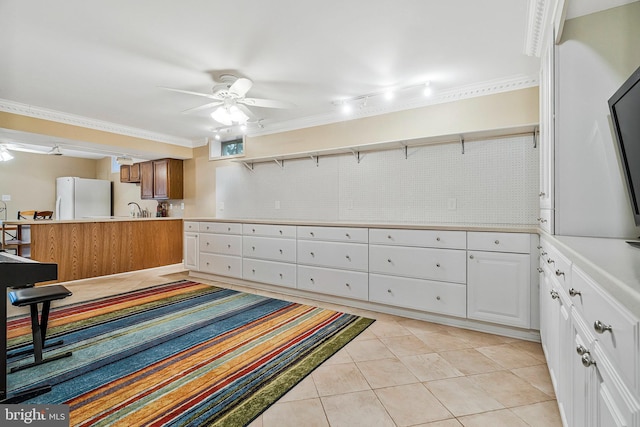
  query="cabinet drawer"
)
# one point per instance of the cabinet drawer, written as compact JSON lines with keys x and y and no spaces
{"x":220,"y":227}
{"x":421,"y":238}
{"x":334,"y":234}
{"x":269,"y":230}
{"x":350,"y":284}
{"x":422,"y":263}
{"x":350,"y":256}
{"x":621,"y":342}
{"x":190,"y":226}
{"x":269,"y":248}
{"x":559,"y":265}
{"x":225,"y":244}
{"x":424,"y":295}
{"x":275,"y":273}
{"x":499,"y":242}
{"x":221,"y":264}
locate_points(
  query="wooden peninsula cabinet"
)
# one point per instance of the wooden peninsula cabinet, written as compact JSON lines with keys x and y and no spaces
{"x":161,"y":179}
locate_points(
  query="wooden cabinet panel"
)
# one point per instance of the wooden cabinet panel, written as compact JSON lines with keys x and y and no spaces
{"x":130,"y":173}
{"x":125,"y":173}
{"x":146,"y":180}
{"x":91,"y":249}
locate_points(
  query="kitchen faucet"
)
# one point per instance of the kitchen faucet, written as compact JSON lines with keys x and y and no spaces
{"x":139,"y":208}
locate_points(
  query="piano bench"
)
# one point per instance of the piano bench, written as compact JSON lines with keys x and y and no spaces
{"x":32,"y":297}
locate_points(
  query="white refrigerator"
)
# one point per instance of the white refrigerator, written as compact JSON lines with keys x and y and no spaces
{"x":82,"y":198}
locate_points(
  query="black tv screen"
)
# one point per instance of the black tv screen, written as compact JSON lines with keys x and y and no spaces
{"x":625,"y":115}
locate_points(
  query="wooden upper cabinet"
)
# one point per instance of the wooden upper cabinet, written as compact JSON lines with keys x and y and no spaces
{"x":161,"y":179}
{"x":130,"y":173}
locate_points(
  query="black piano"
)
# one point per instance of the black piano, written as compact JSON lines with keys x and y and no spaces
{"x":16,"y":271}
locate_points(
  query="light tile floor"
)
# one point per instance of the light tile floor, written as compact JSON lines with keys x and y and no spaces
{"x":399,"y":372}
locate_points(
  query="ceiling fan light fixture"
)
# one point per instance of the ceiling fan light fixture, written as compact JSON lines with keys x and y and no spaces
{"x":4,"y":154}
{"x":229,"y":115}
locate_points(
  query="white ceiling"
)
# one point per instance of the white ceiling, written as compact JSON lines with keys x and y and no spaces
{"x":103,"y":62}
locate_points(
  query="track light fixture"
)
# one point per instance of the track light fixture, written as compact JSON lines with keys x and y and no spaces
{"x":362,"y":101}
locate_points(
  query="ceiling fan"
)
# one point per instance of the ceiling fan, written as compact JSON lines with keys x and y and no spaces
{"x":229,"y":97}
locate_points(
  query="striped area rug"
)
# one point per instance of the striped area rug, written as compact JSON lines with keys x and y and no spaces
{"x":179,"y":354}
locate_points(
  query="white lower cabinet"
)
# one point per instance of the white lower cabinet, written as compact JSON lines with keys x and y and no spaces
{"x":419,"y":294}
{"x":191,"y":253}
{"x":593,"y":364}
{"x":343,"y":283}
{"x":498,"y":288}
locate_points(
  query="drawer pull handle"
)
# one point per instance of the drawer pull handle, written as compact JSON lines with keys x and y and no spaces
{"x":574,"y":293}
{"x":347,"y":235}
{"x":540,"y":270}
{"x":207,"y":262}
{"x":554,"y":295}
{"x":542,"y":193}
{"x":280,"y":231}
{"x":228,"y":228}
{"x":207,"y":243}
{"x":389,"y":236}
{"x":280,"y":251}
{"x":253,"y":248}
{"x":587,"y":360}
{"x":497,"y":242}
{"x":281,"y":275}
{"x":559,"y":273}
{"x":228,"y":267}
{"x":389,"y":260}
{"x":312,"y":254}
{"x":253,"y":230}
{"x":311,"y":232}
{"x":438,"y":265}
{"x":601,"y":328}
{"x":543,"y":253}
{"x":550,"y":261}
{"x":388,"y":291}
{"x":312,"y":280}
{"x":438,"y":297}
{"x":348,"y":257}
{"x":253,"y":271}
{"x":347,"y":285}
{"x":229,"y":246}
{"x":582,"y":350}
{"x":437,"y":239}
{"x":539,"y":247}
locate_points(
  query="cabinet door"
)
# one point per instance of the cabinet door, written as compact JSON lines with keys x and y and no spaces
{"x":191,"y":255}
{"x":498,"y":288}
{"x":134,"y":172}
{"x":547,"y":127}
{"x":160,"y":179}
{"x":125,"y":172}
{"x":146,"y":180}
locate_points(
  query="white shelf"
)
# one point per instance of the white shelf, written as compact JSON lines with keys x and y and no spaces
{"x":355,"y":150}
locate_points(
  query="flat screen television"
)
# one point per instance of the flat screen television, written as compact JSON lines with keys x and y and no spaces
{"x":625,"y":115}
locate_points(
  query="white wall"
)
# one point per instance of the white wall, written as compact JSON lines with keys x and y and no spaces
{"x":596,"y":55}
{"x":493,"y":182}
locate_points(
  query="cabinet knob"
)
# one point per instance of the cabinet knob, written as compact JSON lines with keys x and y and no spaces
{"x":389,"y":236}
{"x":539,"y":247}
{"x":438,"y":297}
{"x":207,"y":243}
{"x":281,"y":275}
{"x":438,"y":265}
{"x":229,"y":246}
{"x":550,"y":261}
{"x":574,"y":293}
{"x":497,"y":242}
{"x":253,"y":230}
{"x":312,"y":254}
{"x":280,"y":231}
{"x":601,"y":328}
{"x":388,"y":291}
{"x":581,"y":350}
{"x":389,"y":260}
{"x":470,"y":256}
{"x":348,"y":257}
{"x":311,"y":232}
{"x":253,"y":248}
{"x":347,"y":235}
{"x":312,"y":280}
{"x":559,"y":273}
{"x":543,"y":253}
{"x":280,"y":251}
{"x":587,"y":360}
{"x":253,"y":271}
{"x":540,"y":270}
{"x":542,"y":220}
{"x":542,"y":194}
{"x":347,"y":285}
{"x":228,"y":228}
{"x":438,"y":239}
{"x":554,"y":295}
{"x":228,"y":267}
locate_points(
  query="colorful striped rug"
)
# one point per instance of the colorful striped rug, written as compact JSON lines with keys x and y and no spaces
{"x":179,"y":354}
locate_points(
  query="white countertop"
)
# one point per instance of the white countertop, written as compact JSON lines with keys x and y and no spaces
{"x":612,"y":263}
{"x":506,"y":228}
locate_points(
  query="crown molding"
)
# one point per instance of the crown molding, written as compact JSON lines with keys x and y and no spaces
{"x":439,"y":97}
{"x":544,"y":17}
{"x":74,"y":120}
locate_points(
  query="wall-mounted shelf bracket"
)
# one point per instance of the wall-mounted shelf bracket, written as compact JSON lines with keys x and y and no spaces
{"x":405,"y":148}
{"x":248,"y":166}
{"x":356,"y":154}
{"x":279,"y":162}
{"x":536,"y":135}
{"x":462,"y":143}
{"x":315,"y":158}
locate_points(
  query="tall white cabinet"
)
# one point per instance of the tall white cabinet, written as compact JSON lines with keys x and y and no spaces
{"x":546,"y":138}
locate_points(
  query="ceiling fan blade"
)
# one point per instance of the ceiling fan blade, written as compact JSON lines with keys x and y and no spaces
{"x":266,"y":103}
{"x":206,"y":95}
{"x":240,"y":87}
{"x":203,"y":107}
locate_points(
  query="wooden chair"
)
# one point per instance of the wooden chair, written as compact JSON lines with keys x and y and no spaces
{"x":26,"y":214}
{"x":43,"y":215}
